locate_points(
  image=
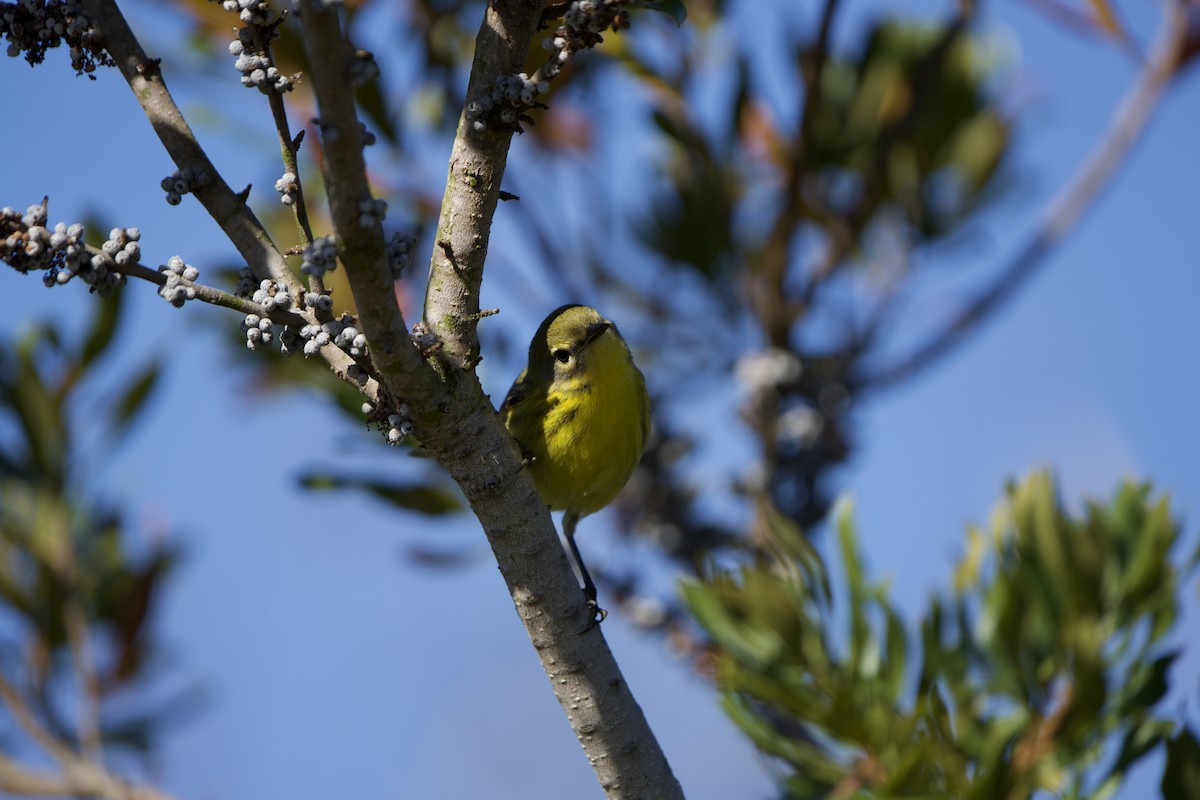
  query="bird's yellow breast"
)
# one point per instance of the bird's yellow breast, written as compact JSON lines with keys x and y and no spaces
{"x":593,"y":428}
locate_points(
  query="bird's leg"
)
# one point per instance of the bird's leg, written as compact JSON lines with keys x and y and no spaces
{"x":570,"y":520}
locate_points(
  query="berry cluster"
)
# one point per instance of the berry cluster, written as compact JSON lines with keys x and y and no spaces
{"x":182,"y":181}
{"x":399,"y":425}
{"x":426,"y":340}
{"x":399,"y":252}
{"x":103,"y":271}
{"x":180,"y":276}
{"x":319,"y":256}
{"x":503,"y":104}
{"x":371,"y":212}
{"x":34,"y":26}
{"x":339,"y":331}
{"x":122,"y":245}
{"x":582,"y":26}
{"x":254,"y":12}
{"x":253,"y":57}
{"x":320,"y":303}
{"x":26,"y":244}
{"x":288,"y":187}
{"x":258,"y":331}
{"x":349,"y":338}
{"x":315,"y":337}
{"x":272,"y":296}
{"x":246,"y":283}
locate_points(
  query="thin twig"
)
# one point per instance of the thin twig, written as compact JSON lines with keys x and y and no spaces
{"x":223,"y":205}
{"x":88,"y":716}
{"x":78,"y":778}
{"x":1128,"y":123}
{"x":339,"y":360}
{"x":774,"y":315}
{"x":208,"y":294}
{"x":289,"y":151}
{"x":28,"y":722}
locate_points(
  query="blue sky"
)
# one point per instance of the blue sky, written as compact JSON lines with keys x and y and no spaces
{"x":333,"y":667}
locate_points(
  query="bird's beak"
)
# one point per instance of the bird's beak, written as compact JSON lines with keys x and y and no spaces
{"x":595,"y":331}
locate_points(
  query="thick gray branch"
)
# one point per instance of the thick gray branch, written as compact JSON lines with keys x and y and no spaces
{"x":360,"y":246}
{"x":477,"y":163}
{"x":455,"y":421}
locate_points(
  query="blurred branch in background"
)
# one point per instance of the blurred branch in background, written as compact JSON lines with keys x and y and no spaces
{"x":77,"y":650}
{"x":1177,"y":39}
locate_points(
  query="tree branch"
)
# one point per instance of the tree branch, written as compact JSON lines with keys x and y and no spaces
{"x":1128,"y":123}
{"x":338,"y":360}
{"x":359,"y":235}
{"x":454,"y":420}
{"x":229,"y":210}
{"x":78,"y":778}
{"x":477,"y":163}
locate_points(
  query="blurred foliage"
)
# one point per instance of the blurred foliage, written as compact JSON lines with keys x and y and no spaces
{"x":788,"y":215}
{"x":77,"y":593}
{"x":793,"y":181}
{"x":411,"y":496}
{"x":796,"y":180}
{"x":1050,"y":651}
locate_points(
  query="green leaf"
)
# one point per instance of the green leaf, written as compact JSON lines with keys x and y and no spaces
{"x":103,"y":329}
{"x":1156,"y":684}
{"x":1181,"y":774}
{"x":1139,"y":740}
{"x":675,"y":9}
{"x":420,"y":497}
{"x":897,"y":654}
{"x":856,"y":583}
{"x":134,"y":397}
{"x":712,"y":604}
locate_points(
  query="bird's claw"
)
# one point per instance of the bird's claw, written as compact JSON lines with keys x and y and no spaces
{"x":597,"y":613}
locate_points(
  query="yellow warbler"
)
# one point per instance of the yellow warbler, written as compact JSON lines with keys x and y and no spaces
{"x":581,"y":414}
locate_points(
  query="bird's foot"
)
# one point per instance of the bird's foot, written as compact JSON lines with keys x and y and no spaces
{"x":597,"y":613}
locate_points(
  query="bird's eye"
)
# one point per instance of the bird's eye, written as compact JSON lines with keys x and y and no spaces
{"x":562,"y":355}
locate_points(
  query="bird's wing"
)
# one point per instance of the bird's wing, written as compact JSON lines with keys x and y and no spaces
{"x":516,"y":393}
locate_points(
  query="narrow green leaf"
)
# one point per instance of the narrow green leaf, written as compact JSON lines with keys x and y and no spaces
{"x":1156,"y":684}
{"x":420,"y":497}
{"x":134,"y":397}
{"x":856,"y":582}
{"x":746,"y":643}
{"x":102,"y":330}
{"x":1181,"y":774}
{"x":897,"y":654}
